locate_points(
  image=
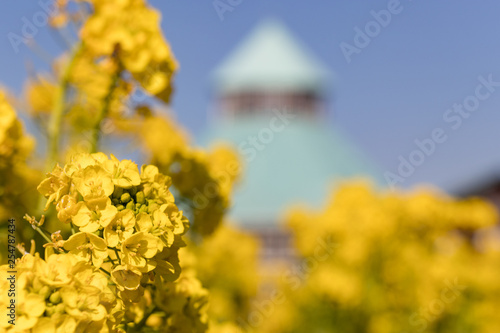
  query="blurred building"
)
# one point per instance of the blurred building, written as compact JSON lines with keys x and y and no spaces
{"x":271,"y":101}
{"x":488,"y":187}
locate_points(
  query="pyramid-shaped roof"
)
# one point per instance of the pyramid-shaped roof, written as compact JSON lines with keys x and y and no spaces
{"x":300,"y":165}
{"x":270,"y":59}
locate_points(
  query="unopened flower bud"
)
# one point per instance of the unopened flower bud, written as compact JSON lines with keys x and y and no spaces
{"x":66,"y":208}
{"x":125,"y":197}
{"x":130,"y":205}
{"x":55,"y":298}
{"x":50,"y":310}
{"x":139,"y":197}
{"x":44,"y":291}
{"x":59,"y":308}
{"x":37,"y":285}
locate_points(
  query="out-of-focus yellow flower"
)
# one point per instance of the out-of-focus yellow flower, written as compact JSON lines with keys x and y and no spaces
{"x":14,"y":145}
{"x":389,"y":262}
{"x":225,"y":166}
{"x":187,"y":303}
{"x":17,"y":179}
{"x":204,"y":178}
{"x":130,"y":30}
{"x":227,"y":265}
{"x":224,"y":328}
{"x":40,"y":93}
{"x":98,"y":85}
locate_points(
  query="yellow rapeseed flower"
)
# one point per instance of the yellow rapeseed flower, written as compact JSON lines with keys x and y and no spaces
{"x":89,"y":217}
{"x":120,"y":228}
{"x":87,"y":246}
{"x":138,"y":250}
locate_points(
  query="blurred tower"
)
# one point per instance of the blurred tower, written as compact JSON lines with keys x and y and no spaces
{"x":269,"y":70}
{"x":270,"y":102}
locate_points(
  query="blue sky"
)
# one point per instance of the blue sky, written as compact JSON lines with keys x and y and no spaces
{"x":394,"y":91}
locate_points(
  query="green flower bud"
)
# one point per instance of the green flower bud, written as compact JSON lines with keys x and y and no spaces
{"x":115,"y":201}
{"x":50,"y":310}
{"x":59,"y":308}
{"x":125,"y":197}
{"x":120,"y":207}
{"x":44,"y":291}
{"x":130,"y":205}
{"x":55,"y":298}
{"x":139,"y":197}
{"x":143,"y":209}
{"x":37,"y":285}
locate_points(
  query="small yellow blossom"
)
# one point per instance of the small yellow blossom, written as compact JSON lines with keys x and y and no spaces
{"x":124,"y":173}
{"x":94,"y":215}
{"x":120,"y":228}
{"x":127,"y":278}
{"x":159,"y":225}
{"x":87,"y":246}
{"x":93,"y":182}
{"x":55,"y":186}
{"x":138,"y":250}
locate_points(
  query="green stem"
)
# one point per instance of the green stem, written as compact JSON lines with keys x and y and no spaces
{"x":43,"y":234}
{"x":118,"y":256}
{"x":55,"y":121}
{"x":103,"y":112}
{"x":110,"y":260}
{"x":139,"y":326}
{"x":54,"y":128}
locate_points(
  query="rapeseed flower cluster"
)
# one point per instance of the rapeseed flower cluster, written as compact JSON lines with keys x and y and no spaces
{"x":180,"y":306}
{"x":231,"y":276}
{"x":125,"y":221}
{"x":120,"y":51}
{"x":123,"y":251}
{"x":113,"y":265}
{"x":130,"y":31}
{"x":16,"y":177}
{"x":205,"y":179}
{"x":391,"y":262}
{"x":62,"y":294}
{"x":15,"y":146}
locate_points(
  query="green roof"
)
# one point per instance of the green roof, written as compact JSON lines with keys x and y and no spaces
{"x":270,"y":59}
{"x":301,"y":164}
